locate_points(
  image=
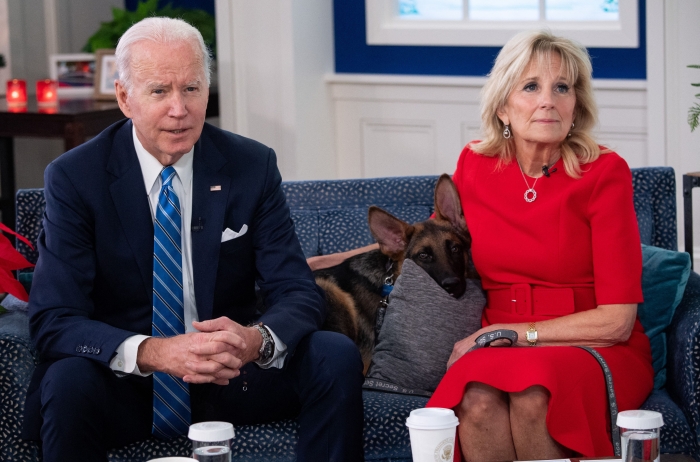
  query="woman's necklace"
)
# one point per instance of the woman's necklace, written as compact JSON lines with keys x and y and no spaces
{"x":530,"y":194}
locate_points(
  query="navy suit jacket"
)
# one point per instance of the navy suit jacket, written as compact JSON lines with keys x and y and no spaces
{"x":92,"y":286}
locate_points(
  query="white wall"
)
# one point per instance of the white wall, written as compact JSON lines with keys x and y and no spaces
{"x":272,"y":56}
{"x":6,"y":72}
{"x":682,"y":39}
{"x":417,"y":125}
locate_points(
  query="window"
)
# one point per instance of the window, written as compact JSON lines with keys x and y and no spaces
{"x":594,"y":23}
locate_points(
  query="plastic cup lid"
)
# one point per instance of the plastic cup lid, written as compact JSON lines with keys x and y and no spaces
{"x":640,"y":420}
{"x":432,"y":418}
{"x":211,"y":431}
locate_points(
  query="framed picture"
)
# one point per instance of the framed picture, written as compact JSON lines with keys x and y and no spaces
{"x":105,"y":75}
{"x":75,"y":73}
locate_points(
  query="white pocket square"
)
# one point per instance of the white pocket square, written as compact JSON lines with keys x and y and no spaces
{"x":229,"y":234}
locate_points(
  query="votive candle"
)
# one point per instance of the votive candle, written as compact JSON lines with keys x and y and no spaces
{"x":46,"y":94}
{"x":16,"y":92}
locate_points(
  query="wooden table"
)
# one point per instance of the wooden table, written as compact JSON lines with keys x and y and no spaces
{"x":74,"y":120}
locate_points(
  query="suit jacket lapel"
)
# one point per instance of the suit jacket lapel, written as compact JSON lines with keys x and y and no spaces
{"x":209,"y":206}
{"x":131,"y":202}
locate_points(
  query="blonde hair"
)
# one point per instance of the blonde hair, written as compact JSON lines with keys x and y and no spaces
{"x":511,"y":63}
{"x":159,"y":30}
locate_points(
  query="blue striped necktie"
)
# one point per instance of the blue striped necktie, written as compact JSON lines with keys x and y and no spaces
{"x":171,"y":396}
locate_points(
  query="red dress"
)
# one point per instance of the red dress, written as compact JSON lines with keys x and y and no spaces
{"x":579,"y":236}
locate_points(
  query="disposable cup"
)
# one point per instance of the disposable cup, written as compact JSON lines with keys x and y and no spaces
{"x":432,"y":432}
{"x":211,"y":441}
{"x":640,"y":431}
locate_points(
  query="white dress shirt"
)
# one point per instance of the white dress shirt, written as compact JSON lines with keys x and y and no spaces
{"x":125,"y":360}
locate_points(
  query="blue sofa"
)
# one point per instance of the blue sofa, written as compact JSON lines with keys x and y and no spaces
{"x":330,"y":216}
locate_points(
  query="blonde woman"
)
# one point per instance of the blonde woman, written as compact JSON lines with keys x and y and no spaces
{"x":556,"y":242}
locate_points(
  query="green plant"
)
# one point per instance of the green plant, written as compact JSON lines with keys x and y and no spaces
{"x":694,"y":111}
{"x":108,"y":34}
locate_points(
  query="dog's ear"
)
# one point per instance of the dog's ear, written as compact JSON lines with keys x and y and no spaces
{"x":447,"y":204}
{"x":391,"y":233}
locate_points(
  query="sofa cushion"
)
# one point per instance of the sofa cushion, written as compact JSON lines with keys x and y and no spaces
{"x":676,"y":434}
{"x":421,"y":325}
{"x":347,"y":228}
{"x":306,"y":227}
{"x":17,"y":358}
{"x":664,"y":277}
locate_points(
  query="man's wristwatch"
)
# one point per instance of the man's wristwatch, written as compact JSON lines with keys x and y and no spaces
{"x":531,"y":335}
{"x":267,"y":349}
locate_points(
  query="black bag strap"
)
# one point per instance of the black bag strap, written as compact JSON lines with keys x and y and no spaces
{"x":487,"y":338}
{"x":612,"y":402}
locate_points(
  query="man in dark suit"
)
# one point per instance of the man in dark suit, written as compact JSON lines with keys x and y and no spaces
{"x":159,"y":222}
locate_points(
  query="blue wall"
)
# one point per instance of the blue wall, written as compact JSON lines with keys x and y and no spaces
{"x":353,"y":55}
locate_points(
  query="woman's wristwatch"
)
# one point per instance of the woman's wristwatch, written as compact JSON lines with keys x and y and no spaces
{"x":531,"y":335}
{"x":267,"y":349}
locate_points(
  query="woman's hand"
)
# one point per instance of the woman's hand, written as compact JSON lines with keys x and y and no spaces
{"x":465,"y":344}
{"x":602,"y":327}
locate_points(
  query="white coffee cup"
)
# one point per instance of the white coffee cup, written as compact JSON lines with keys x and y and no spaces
{"x":432,"y":431}
{"x":640,"y":431}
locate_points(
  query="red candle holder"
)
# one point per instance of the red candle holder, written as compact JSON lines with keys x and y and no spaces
{"x":46,"y":94}
{"x":53,"y":109}
{"x":17,"y":108}
{"x":16,"y":93}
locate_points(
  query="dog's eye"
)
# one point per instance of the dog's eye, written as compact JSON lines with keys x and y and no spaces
{"x":423,"y":255}
{"x":456,"y":249}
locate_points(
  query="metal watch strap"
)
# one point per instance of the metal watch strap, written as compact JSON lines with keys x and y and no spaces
{"x":612,"y":402}
{"x":531,"y":331}
{"x":267,"y":339}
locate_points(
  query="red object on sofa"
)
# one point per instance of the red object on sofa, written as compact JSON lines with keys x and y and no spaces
{"x":10,"y":260}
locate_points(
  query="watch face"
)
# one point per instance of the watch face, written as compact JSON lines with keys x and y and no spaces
{"x":267,"y":351}
{"x":531,"y":336}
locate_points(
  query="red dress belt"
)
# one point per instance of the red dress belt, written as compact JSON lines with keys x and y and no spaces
{"x":528,"y":300}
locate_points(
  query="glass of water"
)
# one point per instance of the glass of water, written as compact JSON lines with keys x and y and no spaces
{"x":211,"y":441}
{"x":640,"y":435}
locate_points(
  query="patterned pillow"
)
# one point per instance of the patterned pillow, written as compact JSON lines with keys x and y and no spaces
{"x":421,"y":325}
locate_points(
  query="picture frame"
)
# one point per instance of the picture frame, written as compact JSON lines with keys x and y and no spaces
{"x":105,"y":74}
{"x":75,"y":73}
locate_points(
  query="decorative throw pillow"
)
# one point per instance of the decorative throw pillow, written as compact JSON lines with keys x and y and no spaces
{"x":421,"y":325}
{"x":664,"y":277}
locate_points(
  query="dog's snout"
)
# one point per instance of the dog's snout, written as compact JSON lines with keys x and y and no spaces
{"x":454,"y":286}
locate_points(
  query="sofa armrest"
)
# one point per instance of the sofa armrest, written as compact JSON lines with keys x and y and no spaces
{"x":17,"y":362}
{"x":683,"y":364}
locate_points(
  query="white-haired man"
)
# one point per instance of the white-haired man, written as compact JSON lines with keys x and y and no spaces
{"x":143,"y":300}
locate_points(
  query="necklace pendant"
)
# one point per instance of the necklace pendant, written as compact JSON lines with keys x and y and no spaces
{"x":530,"y":195}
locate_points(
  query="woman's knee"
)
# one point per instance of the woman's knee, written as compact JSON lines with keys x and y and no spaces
{"x":530,"y":405}
{"x":480,"y":402}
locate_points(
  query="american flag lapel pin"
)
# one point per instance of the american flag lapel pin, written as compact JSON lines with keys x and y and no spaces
{"x":216,"y":187}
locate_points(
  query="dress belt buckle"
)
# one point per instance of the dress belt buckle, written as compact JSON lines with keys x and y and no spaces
{"x":521,"y":299}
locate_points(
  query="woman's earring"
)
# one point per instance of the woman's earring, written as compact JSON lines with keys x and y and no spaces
{"x":506,"y":132}
{"x":572,"y":127}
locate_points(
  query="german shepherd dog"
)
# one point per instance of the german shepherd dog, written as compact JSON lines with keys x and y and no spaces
{"x":439,"y":246}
